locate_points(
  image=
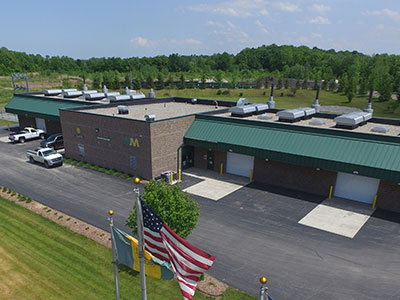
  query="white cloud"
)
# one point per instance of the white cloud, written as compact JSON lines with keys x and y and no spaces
{"x":139,"y":41}
{"x":230,"y":24}
{"x":143,"y":42}
{"x":287,"y":6}
{"x":237,"y":8}
{"x":395,"y":15}
{"x":320,"y":20}
{"x":320,"y":8}
{"x":380,"y":27}
{"x":262,"y":27}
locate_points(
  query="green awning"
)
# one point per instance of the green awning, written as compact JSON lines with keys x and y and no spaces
{"x":40,"y":107}
{"x":368,"y":154}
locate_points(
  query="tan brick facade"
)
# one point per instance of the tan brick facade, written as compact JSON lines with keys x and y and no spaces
{"x":113,"y":142}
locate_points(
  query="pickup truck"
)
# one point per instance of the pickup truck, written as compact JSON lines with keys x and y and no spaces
{"x":46,"y":156}
{"x":27,"y":133}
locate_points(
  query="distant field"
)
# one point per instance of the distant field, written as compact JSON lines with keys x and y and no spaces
{"x":302,"y":97}
{"x":40,"y":259}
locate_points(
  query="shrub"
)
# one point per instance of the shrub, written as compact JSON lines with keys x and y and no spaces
{"x":227,"y":92}
{"x":174,"y":207}
{"x":219,"y":92}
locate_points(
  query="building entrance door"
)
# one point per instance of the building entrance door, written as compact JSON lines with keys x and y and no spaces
{"x":187,"y":157}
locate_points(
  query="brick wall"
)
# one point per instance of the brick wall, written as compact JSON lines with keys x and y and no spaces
{"x":166,"y":137}
{"x":102,"y":138}
{"x":26,"y":122}
{"x":388,"y":196}
{"x":53,"y":127}
{"x":294,"y":177}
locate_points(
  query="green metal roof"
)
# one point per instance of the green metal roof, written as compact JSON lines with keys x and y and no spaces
{"x":368,"y":154}
{"x":40,"y":107}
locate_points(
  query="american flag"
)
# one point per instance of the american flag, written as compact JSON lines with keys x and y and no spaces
{"x":188,"y":262}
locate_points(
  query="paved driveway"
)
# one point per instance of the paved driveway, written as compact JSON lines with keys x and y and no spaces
{"x":253,"y":231}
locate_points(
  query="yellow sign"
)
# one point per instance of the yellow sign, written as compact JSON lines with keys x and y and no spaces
{"x":78,"y":130}
{"x":133,"y":142}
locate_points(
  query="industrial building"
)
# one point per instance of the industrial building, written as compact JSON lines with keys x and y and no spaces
{"x":353,"y":156}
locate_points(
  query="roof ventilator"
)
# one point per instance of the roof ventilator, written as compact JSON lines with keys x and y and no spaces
{"x":150,"y":118}
{"x":52,"y":92}
{"x":242,"y":108}
{"x":352,"y":120}
{"x":296,"y":114}
{"x":123,"y":109}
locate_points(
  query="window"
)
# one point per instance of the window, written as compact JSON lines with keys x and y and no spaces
{"x":81,"y":149}
{"x":133,"y":162}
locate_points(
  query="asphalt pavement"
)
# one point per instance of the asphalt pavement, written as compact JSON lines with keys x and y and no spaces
{"x":253,"y":232}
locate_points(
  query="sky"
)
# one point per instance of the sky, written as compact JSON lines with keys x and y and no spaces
{"x":126,"y":28}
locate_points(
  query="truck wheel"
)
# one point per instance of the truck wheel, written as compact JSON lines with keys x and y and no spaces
{"x":31,"y":160}
{"x":22,"y":140}
{"x":41,"y":136}
{"x":46,"y":164}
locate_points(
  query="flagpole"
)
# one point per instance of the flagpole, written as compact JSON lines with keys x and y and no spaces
{"x":263,"y":289}
{"x":139,"y":219}
{"x":111,"y":213}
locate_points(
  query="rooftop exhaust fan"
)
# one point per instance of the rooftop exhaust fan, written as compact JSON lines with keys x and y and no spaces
{"x":52,"y":92}
{"x":123,"y":109}
{"x":94,"y":96}
{"x":296,"y":114}
{"x":115,"y":98}
{"x":150,"y":118}
{"x":352,"y":120}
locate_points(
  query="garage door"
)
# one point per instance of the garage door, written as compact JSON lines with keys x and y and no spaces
{"x":40,"y":124}
{"x":354,"y":187}
{"x":239,"y":164}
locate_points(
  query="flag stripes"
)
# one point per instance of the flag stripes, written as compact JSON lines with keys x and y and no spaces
{"x":187,"y":261}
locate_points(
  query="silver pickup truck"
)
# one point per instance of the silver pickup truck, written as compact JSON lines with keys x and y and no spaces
{"x":46,"y":156}
{"x":28,"y":133}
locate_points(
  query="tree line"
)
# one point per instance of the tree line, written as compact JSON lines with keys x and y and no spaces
{"x":356,"y":72}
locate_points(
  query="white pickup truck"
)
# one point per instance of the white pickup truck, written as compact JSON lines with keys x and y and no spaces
{"x":46,"y":156}
{"x":28,"y":133}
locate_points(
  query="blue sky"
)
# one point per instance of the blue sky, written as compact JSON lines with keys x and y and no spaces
{"x":85,"y":28}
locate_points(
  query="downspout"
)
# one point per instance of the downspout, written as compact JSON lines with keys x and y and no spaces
{"x":177,"y":158}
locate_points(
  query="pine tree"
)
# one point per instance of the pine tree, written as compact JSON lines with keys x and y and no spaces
{"x":279,"y":85}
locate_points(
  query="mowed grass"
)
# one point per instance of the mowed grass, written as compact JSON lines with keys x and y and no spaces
{"x":301,"y":98}
{"x":40,"y":259}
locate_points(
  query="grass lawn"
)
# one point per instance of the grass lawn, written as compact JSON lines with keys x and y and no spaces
{"x":5,"y":122}
{"x":40,"y":259}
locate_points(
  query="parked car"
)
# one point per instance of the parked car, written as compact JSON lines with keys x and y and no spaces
{"x":28,"y":133}
{"x":47,"y":156}
{"x":54,"y":141}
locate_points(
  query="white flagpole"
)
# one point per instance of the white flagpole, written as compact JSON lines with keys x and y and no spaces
{"x":111,"y":213}
{"x":139,"y":219}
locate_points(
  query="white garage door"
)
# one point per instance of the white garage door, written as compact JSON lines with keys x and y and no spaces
{"x":40,"y":124}
{"x":239,"y":164}
{"x":354,"y":187}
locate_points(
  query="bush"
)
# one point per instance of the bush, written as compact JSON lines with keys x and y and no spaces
{"x":174,"y":207}
{"x":227,"y":92}
{"x":219,"y":92}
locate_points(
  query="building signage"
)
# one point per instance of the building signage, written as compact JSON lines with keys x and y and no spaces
{"x":130,"y":141}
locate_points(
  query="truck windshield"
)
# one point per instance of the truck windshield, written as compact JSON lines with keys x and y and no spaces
{"x":48,"y":152}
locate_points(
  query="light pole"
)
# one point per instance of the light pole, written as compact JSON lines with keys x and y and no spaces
{"x":263,"y":289}
{"x":110,"y":218}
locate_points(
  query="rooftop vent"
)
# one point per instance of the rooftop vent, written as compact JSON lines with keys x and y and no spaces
{"x":72,"y":94}
{"x":296,"y":114}
{"x":242,"y":108}
{"x":317,"y":122}
{"x":52,"y":92}
{"x":265,"y":117}
{"x":87,"y":92}
{"x":119,"y":98}
{"x":108,"y":95}
{"x":123,"y":109}
{"x":152,"y":94}
{"x":138,"y":96}
{"x":260,"y":108}
{"x":352,"y":120}
{"x":194,"y":101}
{"x":69,"y":90}
{"x":150,"y":118}
{"x":380,"y":129}
{"x":94,"y":96}
{"x":242,"y":102}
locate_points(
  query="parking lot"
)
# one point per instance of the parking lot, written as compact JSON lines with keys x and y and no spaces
{"x":253,"y":230}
